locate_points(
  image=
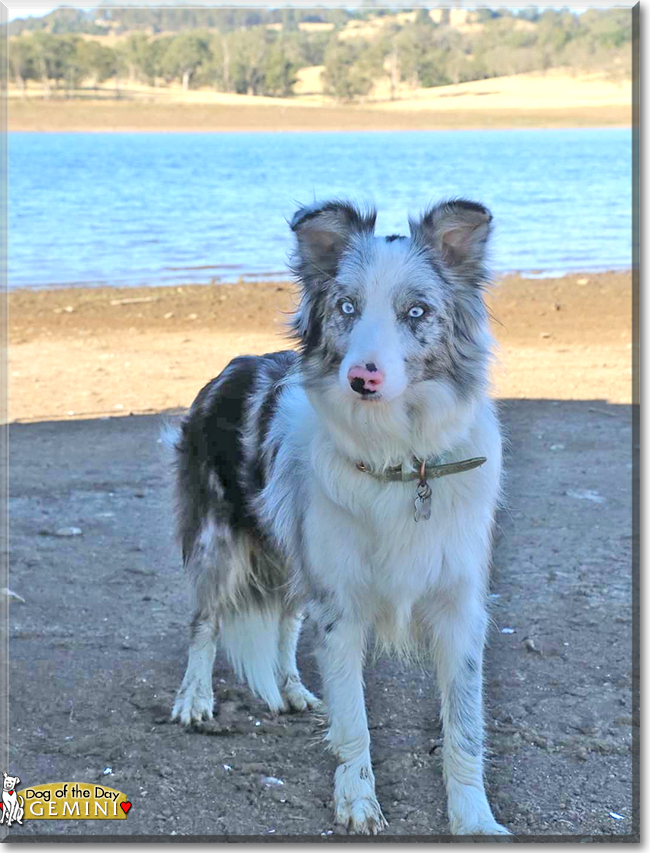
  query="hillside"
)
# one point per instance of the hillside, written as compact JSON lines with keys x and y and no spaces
{"x":363,"y":56}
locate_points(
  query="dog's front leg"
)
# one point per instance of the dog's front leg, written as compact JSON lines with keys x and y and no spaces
{"x":459,"y":632}
{"x":340,"y":650}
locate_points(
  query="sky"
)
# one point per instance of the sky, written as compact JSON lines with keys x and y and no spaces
{"x":24,"y":11}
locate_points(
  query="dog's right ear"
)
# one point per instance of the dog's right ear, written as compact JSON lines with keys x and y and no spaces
{"x":323,"y":232}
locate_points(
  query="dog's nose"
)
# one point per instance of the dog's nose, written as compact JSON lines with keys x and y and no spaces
{"x":365,"y":380}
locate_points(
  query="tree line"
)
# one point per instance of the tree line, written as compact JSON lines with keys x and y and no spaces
{"x":238,"y":52}
{"x":105,"y":19}
{"x":426,"y":54}
{"x":252,"y":62}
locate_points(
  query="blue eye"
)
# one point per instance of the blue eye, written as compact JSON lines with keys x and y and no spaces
{"x":416,"y":312}
{"x":347,"y":307}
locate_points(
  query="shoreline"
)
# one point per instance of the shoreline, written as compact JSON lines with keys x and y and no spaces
{"x":284,"y":276}
{"x":36,"y":116}
{"x":76,"y":353}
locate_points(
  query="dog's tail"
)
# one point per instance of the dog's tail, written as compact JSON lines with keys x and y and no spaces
{"x":251,"y":639}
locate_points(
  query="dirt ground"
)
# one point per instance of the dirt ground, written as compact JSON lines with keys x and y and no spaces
{"x":134,"y":116}
{"x":98,"y":648}
{"x":77,"y":352}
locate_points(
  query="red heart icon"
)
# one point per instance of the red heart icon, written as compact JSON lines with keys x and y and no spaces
{"x":125,"y":807}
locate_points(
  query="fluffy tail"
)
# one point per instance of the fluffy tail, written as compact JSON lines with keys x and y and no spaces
{"x":251,"y":640}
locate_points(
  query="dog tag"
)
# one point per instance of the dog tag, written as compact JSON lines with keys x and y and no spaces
{"x":423,"y":502}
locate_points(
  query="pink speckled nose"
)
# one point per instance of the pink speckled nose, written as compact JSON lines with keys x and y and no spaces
{"x":365,"y":379}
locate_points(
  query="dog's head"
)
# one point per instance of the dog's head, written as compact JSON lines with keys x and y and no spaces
{"x":10,"y":782}
{"x":380,"y":316}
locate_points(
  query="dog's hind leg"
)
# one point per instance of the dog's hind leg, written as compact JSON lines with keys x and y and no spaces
{"x":340,"y":652}
{"x":295,"y":694}
{"x":195,"y":700}
{"x":458,"y":638}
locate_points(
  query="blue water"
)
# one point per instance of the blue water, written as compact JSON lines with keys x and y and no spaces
{"x":140,"y":209}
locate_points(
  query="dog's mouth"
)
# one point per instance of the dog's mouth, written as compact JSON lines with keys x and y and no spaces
{"x":364,"y":393}
{"x":369,"y":397}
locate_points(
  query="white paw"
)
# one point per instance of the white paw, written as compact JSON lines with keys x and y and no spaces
{"x":194,"y":702}
{"x":355,"y":805}
{"x":361,"y":816}
{"x":470,"y":812}
{"x":297,"y":697}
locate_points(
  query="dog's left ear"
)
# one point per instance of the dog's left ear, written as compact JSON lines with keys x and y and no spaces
{"x":458,"y":232}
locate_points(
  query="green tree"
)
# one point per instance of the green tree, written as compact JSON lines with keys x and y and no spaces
{"x":98,"y":61}
{"x":212,"y":72}
{"x":344,"y":76}
{"x":248,"y":55}
{"x":184,"y":55}
{"x":45,"y":58}
{"x":136,"y":52}
{"x":69,"y":66}
{"x":279,"y":72}
{"x":22,"y":62}
{"x":431,"y":57}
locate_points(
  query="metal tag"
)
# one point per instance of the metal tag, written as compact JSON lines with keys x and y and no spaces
{"x":423,"y":502}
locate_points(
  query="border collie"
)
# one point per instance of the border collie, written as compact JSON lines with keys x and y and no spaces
{"x":355,"y":480}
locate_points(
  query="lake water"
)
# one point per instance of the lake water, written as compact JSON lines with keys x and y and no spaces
{"x":147,"y":209}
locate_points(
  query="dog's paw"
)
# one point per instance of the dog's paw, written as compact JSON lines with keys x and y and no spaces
{"x":470,"y":812}
{"x":194,"y":702}
{"x":355,"y":805}
{"x":362,"y":816}
{"x":297,"y":698}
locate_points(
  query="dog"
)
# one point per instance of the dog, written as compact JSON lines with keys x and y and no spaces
{"x":12,"y":804}
{"x":354,"y":479}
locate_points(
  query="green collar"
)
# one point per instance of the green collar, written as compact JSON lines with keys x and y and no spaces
{"x":423,"y":470}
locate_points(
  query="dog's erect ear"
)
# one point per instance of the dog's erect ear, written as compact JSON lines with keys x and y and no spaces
{"x":323,"y":232}
{"x":458,"y":232}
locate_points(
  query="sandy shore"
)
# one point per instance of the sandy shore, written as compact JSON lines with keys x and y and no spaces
{"x":132,"y":116}
{"x":80,"y":353}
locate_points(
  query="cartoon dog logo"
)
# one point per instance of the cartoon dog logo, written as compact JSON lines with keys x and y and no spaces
{"x":12,"y":804}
